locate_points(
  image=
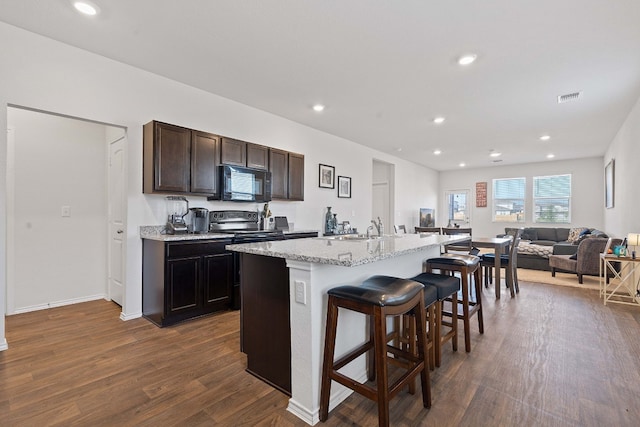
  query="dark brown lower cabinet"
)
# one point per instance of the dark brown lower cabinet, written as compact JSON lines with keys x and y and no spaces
{"x":183,"y":280}
{"x":265,"y":332}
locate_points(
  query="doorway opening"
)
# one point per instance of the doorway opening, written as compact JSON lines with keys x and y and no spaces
{"x":383,"y":190}
{"x":60,"y":202}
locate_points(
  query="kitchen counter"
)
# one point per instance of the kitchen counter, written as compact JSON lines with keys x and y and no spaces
{"x":156,"y":232}
{"x":284,"y":288}
{"x":348,"y":252}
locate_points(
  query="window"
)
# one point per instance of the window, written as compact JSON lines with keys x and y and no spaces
{"x":552,"y":198}
{"x":457,"y":207}
{"x":508,"y":199}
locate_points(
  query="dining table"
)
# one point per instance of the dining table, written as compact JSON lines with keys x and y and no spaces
{"x":499,"y":245}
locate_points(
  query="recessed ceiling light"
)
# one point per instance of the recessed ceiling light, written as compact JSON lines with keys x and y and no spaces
{"x":86,"y":7}
{"x":467,"y":59}
{"x":545,"y":138}
{"x":438,"y":120}
{"x":550,"y":156}
{"x":318,"y":108}
{"x":495,"y":154}
{"x":462,"y":165}
{"x":437,"y":152}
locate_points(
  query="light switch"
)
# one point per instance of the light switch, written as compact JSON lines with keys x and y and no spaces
{"x":66,"y":211}
{"x":301,"y":293}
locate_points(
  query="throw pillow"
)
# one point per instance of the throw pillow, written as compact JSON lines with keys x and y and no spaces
{"x":574,"y":234}
{"x":574,"y":256}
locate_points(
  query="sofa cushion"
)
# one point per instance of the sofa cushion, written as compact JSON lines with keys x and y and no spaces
{"x":544,"y":242}
{"x":529,"y":234}
{"x":545,"y":233}
{"x":562,"y":234}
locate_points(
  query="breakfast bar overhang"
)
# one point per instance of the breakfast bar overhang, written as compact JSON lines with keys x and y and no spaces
{"x":285,"y":319}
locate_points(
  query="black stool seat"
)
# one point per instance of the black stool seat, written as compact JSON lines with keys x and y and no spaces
{"x":379,"y":290}
{"x":430,"y":295}
{"x":444,"y":285}
{"x":456,"y":259}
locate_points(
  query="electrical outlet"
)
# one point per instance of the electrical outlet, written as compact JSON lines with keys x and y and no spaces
{"x":301,"y":292}
{"x":66,"y":211}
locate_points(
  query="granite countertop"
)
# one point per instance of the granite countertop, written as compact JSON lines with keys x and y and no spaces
{"x":157,"y":232}
{"x":347,"y":253}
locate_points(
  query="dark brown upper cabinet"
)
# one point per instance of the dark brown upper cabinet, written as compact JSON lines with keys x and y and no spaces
{"x":279,"y":168}
{"x":233,"y":152}
{"x":257,"y":156}
{"x":296,"y":176}
{"x":179,"y":160}
{"x":241,"y":153}
{"x":205,"y":158}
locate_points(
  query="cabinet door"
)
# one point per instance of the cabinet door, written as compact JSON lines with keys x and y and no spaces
{"x":296,"y":176}
{"x":183,"y":292}
{"x":279,"y":168}
{"x":167,"y":161}
{"x":204,"y":163}
{"x":233,"y":152}
{"x":257,"y":156}
{"x":217,"y":280}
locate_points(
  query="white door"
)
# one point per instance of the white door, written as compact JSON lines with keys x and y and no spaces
{"x":380,"y":207}
{"x":117,"y":226}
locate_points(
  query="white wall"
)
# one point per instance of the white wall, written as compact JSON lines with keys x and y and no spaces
{"x":624,"y":217}
{"x":56,"y":162}
{"x":43,"y":74}
{"x":587,"y":201}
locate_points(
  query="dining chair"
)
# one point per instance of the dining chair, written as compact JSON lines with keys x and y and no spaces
{"x":434,"y":230}
{"x":464,"y":246}
{"x":508,"y":261}
{"x":400,"y":229}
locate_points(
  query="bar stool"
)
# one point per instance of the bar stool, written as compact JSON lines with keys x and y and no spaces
{"x":447,"y":287}
{"x":405,"y":329}
{"x":466,"y":265}
{"x":377,"y":297}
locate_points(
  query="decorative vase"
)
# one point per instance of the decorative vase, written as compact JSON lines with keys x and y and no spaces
{"x":328,"y":219}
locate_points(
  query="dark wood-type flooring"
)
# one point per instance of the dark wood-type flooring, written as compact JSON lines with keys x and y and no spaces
{"x":553,"y":356}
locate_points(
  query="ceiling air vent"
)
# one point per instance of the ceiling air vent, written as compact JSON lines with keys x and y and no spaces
{"x":569,"y":97}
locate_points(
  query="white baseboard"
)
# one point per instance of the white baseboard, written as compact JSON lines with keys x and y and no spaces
{"x":339,"y":393}
{"x":126,"y":317}
{"x":4,"y":345}
{"x":57,"y":304}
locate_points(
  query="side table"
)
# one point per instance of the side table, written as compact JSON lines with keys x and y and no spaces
{"x":623,"y":288}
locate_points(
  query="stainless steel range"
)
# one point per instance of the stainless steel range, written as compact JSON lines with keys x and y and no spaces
{"x":244,"y":227}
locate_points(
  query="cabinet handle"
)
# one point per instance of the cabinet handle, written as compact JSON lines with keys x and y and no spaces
{"x":119,"y":231}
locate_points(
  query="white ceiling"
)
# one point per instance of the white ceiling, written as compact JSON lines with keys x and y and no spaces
{"x":385,"y":68}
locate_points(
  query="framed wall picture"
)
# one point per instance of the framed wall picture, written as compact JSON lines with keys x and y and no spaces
{"x":327,"y":176}
{"x":344,"y":186}
{"x":609,"y":184}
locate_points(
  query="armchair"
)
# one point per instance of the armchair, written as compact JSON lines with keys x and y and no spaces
{"x":585,"y":261}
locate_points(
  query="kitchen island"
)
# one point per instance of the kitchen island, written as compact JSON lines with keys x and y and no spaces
{"x":284,"y":301}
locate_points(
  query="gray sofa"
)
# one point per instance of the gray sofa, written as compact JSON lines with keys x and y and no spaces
{"x":557,"y":237}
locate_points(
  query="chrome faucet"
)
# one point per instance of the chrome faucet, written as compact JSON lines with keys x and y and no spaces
{"x":369,"y":231}
{"x":379,"y":226}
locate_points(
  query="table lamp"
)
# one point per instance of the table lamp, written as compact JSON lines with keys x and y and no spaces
{"x":633,"y":239}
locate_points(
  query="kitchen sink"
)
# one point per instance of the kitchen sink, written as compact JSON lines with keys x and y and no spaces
{"x":359,"y":237}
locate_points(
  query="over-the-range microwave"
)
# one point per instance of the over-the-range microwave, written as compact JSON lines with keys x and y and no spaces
{"x":240,"y":184}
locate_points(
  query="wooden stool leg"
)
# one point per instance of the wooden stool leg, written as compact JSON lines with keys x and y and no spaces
{"x":477,"y":274}
{"x":465,"y":309}
{"x":327,"y":364}
{"x":454,"y":321}
{"x":437,"y":335}
{"x":423,"y":354}
{"x":371,"y":360}
{"x":431,"y":312}
{"x":380,"y":349}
